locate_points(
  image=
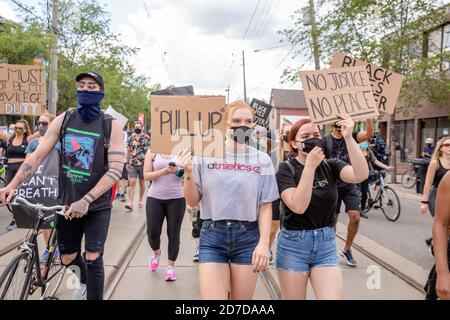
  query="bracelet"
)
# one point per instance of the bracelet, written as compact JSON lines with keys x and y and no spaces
{"x":425,"y":202}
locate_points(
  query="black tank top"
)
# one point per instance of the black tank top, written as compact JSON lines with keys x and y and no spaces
{"x":13,"y":151}
{"x":440,"y":173}
{"x":84,"y":161}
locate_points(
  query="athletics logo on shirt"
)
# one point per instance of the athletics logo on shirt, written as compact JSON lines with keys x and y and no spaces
{"x":233,"y":167}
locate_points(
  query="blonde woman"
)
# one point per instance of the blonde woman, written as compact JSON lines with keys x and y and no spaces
{"x":235,"y":195}
{"x":439,"y":165}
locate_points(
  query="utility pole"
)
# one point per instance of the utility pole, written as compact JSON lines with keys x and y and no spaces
{"x":245,"y":85}
{"x":53,"y":76}
{"x":228,"y":97}
{"x":312,"y":13}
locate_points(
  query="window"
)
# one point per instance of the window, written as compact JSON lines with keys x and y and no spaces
{"x":439,"y":42}
{"x":404,"y":131}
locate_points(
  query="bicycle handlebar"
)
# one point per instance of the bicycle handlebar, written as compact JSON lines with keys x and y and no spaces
{"x":38,"y":206}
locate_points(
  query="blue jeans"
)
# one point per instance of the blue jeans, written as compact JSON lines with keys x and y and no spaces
{"x":228,"y":241}
{"x":302,"y":250}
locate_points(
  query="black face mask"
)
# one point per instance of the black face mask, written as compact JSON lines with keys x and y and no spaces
{"x":138,"y":131}
{"x":286,"y":137}
{"x":241,"y":134}
{"x":337,"y":126}
{"x":310,"y":144}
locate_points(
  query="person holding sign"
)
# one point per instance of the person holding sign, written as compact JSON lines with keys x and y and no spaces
{"x":92,"y":158}
{"x":165,"y":200}
{"x":15,"y":152}
{"x":235,"y":195}
{"x":306,"y":247}
{"x":42,"y":126}
{"x":336,"y":146}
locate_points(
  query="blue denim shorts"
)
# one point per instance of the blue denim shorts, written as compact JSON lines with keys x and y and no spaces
{"x":303,"y":250}
{"x":228,"y":241}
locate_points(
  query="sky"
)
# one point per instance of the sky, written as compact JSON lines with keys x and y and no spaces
{"x":200,"y":42}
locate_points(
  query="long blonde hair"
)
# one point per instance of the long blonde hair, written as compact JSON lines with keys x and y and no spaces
{"x":437,"y":153}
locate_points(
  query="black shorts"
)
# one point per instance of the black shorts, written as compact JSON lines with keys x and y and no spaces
{"x":351,"y":196}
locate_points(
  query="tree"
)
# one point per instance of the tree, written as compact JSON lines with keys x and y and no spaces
{"x":384,"y":32}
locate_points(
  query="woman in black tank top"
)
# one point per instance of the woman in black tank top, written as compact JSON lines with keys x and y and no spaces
{"x":439,"y":166}
{"x":15,"y":152}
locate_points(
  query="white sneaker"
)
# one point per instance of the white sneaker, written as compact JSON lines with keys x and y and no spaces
{"x":80,"y":293}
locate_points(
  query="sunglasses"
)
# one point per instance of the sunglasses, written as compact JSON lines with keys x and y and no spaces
{"x":43,"y":123}
{"x":90,"y":84}
{"x":19,"y":129}
{"x":446,"y":145}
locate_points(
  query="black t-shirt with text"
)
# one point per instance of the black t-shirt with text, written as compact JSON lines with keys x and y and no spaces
{"x":321,"y":210}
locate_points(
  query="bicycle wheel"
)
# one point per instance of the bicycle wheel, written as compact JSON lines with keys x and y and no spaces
{"x":53,"y":281}
{"x":16,"y":279}
{"x":409,"y":179}
{"x":390,"y":204}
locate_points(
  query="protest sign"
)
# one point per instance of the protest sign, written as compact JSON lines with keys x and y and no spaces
{"x":42,"y":187}
{"x":22,"y":90}
{"x":116,"y":115}
{"x":195,"y":122}
{"x":385,"y":84}
{"x":262,"y":112}
{"x":338,"y":91}
{"x":175,"y":91}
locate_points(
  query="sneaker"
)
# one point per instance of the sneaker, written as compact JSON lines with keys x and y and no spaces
{"x":348,"y":257}
{"x":44,"y":256}
{"x":363,"y":215}
{"x":429,"y":244}
{"x":12,"y":226}
{"x":154,"y":262}
{"x":80,"y":293}
{"x":119,"y":196}
{"x":195,"y":257}
{"x":170,"y":274}
{"x":129,"y":207}
{"x":123,"y":198}
{"x":271,"y":257}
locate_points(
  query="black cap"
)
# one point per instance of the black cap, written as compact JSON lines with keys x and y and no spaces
{"x":93,"y":75}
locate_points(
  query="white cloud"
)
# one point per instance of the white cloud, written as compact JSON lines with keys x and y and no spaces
{"x":7,"y":12}
{"x":200,"y":36}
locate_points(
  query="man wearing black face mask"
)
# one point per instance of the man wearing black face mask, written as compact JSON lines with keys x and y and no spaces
{"x":138,"y":144}
{"x":335,"y":147}
{"x":91,"y":161}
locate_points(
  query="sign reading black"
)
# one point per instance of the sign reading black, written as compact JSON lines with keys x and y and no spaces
{"x":262,"y":112}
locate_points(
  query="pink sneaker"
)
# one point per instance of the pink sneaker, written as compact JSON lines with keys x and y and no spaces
{"x":170,"y":274}
{"x":154,"y":261}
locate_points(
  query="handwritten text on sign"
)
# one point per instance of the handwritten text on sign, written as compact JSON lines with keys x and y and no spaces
{"x":22,"y":90}
{"x":195,"y":122}
{"x":262,"y":112}
{"x":338,"y":91}
{"x":385,"y":84}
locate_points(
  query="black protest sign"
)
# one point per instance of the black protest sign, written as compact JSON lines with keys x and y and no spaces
{"x":262,"y":112}
{"x":386,"y":84}
{"x":22,"y":90}
{"x":338,"y":91}
{"x":42,"y":188}
{"x":176,"y":91}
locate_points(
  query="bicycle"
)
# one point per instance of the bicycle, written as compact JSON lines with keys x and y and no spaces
{"x":385,"y":198}
{"x":409,"y":177}
{"x":24,"y":275}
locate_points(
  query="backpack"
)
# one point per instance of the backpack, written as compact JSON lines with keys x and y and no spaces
{"x":106,"y":125}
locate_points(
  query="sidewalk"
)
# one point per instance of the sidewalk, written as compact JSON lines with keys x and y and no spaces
{"x":124,"y":228}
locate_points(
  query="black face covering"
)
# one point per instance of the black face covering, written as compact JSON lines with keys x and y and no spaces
{"x":286,"y":137}
{"x":241,"y":134}
{"x":337,"y":126}
{"x":138,"y":131}
{"x":310,"y":144}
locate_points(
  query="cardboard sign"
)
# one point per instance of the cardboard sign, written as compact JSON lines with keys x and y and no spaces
{"x":262,"y":112}
{"x":338,"y":91}
{"x":22,"y":90}
{"x":176,"y":91}
{"x":195,"y":122}
{"x":116,"y":115}
{"x":385,"y":84}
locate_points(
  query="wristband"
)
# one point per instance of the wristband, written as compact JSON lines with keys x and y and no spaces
{"x":425,"y":202}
